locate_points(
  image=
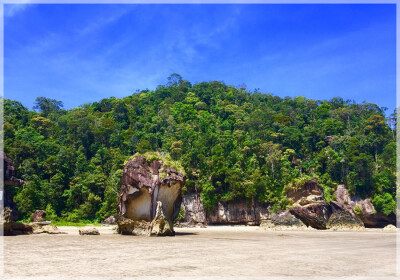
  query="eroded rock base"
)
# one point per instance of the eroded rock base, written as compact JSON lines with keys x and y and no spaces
{"x":160,"y":226}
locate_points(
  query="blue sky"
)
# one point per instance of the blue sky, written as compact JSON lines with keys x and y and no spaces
{"x":83,"y":53}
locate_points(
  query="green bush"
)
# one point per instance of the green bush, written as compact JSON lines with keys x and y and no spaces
{"x":358,"y":210}
{"x":181,"y":215}
{"x":384,"y":203}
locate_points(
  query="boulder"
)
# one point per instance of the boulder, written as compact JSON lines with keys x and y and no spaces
{"x":161,"y":226}
{"x":146,"y":180}
{"x":309,"y":204}
{"x":313,"y":215}
{"x":390,"y":228}
{"x":111,"y":220}
{"x":309,"y":193}
{"x":11,"y":227}
{"x":90,"y":231}
{"x":44,"y":228}
{"x":38,"y":216}
{"x":343,"y":220}
{"x":283,"y":220}
{"x":130,"y":227}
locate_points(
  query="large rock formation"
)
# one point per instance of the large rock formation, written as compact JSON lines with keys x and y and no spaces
{"x":194,"y":210}
{"x":343,"y":220}
{"x":238,"y":212}
{"x":365,"y":208}
{"x":146,"y":180}
{"x":9,"y":214}
{"x":309,"y":204}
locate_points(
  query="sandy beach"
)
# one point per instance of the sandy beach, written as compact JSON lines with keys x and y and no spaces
{"x":211,"y":251}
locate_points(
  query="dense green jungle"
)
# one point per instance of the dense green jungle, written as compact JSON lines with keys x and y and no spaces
{"x":234,"y":144}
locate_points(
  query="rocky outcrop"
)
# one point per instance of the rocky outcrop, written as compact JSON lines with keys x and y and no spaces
{"x":38,"y":216}
{"x":10,"y":181}
{"x":237,"y":213}
{"x":364,"y":207}
{"x":194,"y":210}
{"x":309,"y":204}
{"x":130,"y":227}
{"x":314,"y":215}
{"x":44,"y":227}
{"x":10,"y":173}
{"x":283,"y":220}
{"x":343,"y":220}
{"x":9,"y":214}
{"x":161,"y":226}
{"x":11,"y":227}
{"x":145,"y":182}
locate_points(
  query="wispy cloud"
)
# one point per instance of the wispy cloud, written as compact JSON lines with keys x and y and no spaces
{"x":11,"y":10}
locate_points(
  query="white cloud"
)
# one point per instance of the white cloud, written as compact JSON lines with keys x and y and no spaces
{"x":12,"y":9}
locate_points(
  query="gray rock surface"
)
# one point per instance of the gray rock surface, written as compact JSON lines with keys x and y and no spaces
{"x":90,"y":231}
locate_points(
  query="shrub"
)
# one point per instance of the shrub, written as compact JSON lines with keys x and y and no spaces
{"x":358,"y":210}
{"x":181,"y":215}
{"x":384,"y":203}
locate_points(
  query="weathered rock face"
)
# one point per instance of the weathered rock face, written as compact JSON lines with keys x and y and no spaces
{"x":161,"y":226}
{"x":10,"y":181}
{"x":38,"y":216}
{"x":9,"y":214}
{"x":194,"y":210}
{"x":89,"y":231}
{"x":143,"y":185}
{"x":39,"y":227}
{"x":224,"y":213}
{"x":343,"y":220}
{"x":11,"y":227}
{"x":309,"y":205}
{"x":131,"y":227}
{"x":111,"y":220}
{"x":314,"y":215}
{"x":9,"y":172}
{"x":368,"y":214}
{"x":283,"y":220}
{"x":237,"y":213}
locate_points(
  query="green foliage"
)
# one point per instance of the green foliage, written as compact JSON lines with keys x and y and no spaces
{"x":233,"y":144}
{"x":51,"y":215}
{"x":164,"y":157}
{"x":181,"y":214}
{"x":384,"y":203}
{"x":358,"y":210}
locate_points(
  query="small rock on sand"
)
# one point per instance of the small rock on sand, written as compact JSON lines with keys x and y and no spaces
{"x":90,"y":231}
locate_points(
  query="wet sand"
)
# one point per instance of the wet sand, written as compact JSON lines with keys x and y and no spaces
{"x":212,"y":251}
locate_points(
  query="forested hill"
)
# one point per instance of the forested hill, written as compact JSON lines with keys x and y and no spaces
{"x":234,"y":145}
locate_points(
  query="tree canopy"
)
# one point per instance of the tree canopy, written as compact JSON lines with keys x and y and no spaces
{"x":233,"y":145}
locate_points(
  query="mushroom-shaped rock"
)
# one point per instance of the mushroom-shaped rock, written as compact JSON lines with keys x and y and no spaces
{"x":147,"y":179}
